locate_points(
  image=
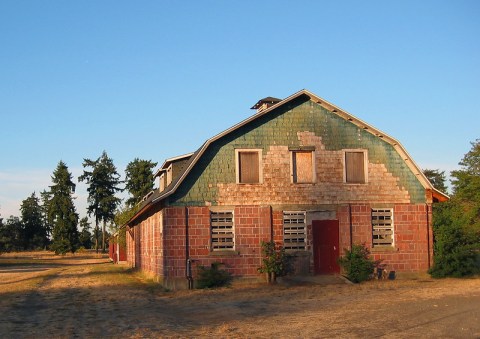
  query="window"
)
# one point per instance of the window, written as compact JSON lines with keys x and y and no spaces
{"x":248,"y":166}
{"x":382,"y":227}
{"x":294,"y":230}
{"x":222,"y":230}
{"x":355,"y":167}
{"x":303,"y":167}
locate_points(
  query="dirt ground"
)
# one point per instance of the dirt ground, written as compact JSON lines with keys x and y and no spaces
{"x":84,"y":296}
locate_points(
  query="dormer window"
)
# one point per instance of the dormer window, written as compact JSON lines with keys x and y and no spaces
{"x":169,"y":175}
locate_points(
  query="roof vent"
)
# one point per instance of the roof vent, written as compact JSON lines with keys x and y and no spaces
{"x":265,"y":103}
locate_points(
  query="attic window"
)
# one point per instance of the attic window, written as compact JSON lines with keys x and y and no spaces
{"x":303,"y":167}
{"x":248,"y":166}
{"x":355,"y":171}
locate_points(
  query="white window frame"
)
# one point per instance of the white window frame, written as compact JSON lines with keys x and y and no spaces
{"x":380,"y":223}
{"x":260,"y":165}
{"x":294,"y":230}
{"x":365,"y":165}
{"x":314,"y":174}
{"x":222,"y":227}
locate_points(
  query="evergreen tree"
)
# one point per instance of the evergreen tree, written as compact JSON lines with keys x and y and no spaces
{"x":45,"y":201}
{"x":85,"y":235}
{"x":139,"y":180}
{"x":103,"y":181}
{"x":11,"y":235}
{"x":437,"y":178}
{"x":61,"y":211}
{"x":34,"y":231}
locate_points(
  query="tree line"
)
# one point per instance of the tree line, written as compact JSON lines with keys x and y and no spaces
{"x":51,"y":220}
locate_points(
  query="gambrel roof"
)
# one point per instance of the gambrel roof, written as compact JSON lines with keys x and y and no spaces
{"x":194,"y":158}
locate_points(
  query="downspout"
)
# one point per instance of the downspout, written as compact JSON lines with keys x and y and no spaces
{"x":188,"y":262}
{"x":271,"y":223}
{"x":351,"y":225}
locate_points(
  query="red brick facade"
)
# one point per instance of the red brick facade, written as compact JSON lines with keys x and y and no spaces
{"x":159,"y":245}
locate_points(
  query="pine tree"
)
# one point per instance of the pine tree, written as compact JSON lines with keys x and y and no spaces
{"x":34,"y":230}
{"x":437,"y":178}
{"x":139,"y":180}
{"x":103,"y":181}
{"x":45,"y":201}
{"x":61,"y":211}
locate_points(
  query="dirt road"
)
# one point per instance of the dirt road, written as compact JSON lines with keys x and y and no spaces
{"x":87,"y":298}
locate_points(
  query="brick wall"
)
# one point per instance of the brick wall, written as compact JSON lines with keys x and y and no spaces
{"x":412,"y":250}
{"x":161,"y":246}
{"x":161,"y":239}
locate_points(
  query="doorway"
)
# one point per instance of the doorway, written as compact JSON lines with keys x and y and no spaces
{"x":325,"y":246}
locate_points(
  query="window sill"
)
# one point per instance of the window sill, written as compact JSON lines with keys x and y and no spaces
{"x":384,"y":249}
{"x":225,"y":253}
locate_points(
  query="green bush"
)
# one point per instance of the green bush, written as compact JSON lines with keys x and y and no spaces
{"x":456,"y":244}
{"x":357,"y":263}
{"x":213,"y":276}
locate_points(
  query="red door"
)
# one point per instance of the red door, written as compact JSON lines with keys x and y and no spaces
{"x":325,"y":246}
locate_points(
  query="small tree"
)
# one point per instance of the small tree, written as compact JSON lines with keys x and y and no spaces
{"x":357,"y":263}
{"x":275,"y":262}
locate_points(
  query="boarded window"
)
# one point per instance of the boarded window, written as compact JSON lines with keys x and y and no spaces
{"x":222,"y":234}
{"x":302,"y":167}
{"x":355,"y":167}
{"x":294,"y":230}
{"x":248,"y":167}
{"x":382,"y":227}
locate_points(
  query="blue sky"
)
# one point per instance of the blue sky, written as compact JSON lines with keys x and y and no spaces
{"x":155,"y":79}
